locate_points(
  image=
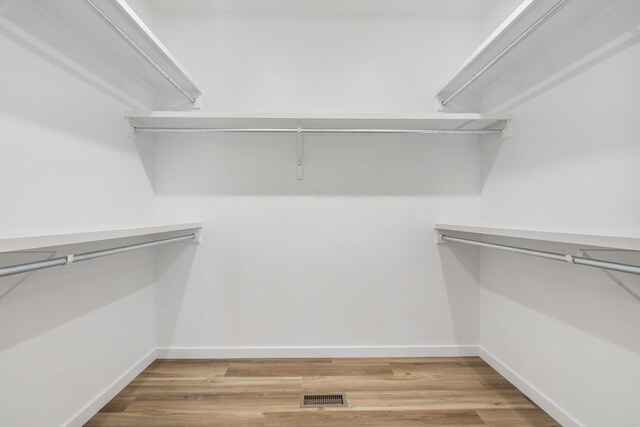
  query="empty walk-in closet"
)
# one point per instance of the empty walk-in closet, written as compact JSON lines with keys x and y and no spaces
{"x":320,"y":212}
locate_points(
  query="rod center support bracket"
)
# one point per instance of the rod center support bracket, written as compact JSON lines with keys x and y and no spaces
{"x":299,"y":153}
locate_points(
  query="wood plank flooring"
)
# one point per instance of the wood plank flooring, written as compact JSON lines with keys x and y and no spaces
{"x":266,"y":392}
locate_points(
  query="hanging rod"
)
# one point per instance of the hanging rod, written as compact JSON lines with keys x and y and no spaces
{"x":105,"y":18}
{"x":73,"y":258}
{"x":296,"y":130}
{"x":544,"y":18}
{"x":589,"y":262}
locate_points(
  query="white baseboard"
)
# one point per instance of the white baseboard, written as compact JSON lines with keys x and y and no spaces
{"x":523,"y":385}
{"x":541,"y":399}
{"x":111,"y":391}
{"x":294,"y":352}
{"x":114,"y":388}
{"x":259,"y":352}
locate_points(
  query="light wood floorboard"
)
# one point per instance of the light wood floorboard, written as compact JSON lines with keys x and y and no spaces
{"x":266,"y":392}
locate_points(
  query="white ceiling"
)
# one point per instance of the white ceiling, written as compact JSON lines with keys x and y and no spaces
{"x":453,"y":8}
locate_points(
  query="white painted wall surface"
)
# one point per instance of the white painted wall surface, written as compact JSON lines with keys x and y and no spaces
{"x":572,"y":161}
{"x":351,"y":247}
{"x":496,"y":14}
{"x":66,"y":334}
{"x":365,"y":271}
{"x":318,"y":63}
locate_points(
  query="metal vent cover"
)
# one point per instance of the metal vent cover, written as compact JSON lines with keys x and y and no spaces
{"x":331,"y":400}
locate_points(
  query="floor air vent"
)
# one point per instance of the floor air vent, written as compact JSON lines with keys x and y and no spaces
{"x":323,"y":400}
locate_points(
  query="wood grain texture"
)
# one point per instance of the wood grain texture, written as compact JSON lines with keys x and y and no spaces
{"x":266,"y":392}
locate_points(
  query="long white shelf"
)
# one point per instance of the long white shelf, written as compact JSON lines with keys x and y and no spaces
{"x":469,"y":121}
{"x":614,"y":239}
{"x":70,"y":35}
{"x":578,"y":34}
{"x":23,"y":240}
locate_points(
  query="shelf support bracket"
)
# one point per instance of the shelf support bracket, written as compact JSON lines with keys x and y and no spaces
{"x":300,"y":153}
{"x":584,"y":253}
{"x":13,"y":287}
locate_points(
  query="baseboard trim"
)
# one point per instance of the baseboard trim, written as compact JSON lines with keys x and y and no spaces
{"x":115,"y":387}
{"x":111,"y":391}
{"x":295,"y":352}
{"x":533,"y":393}
{"x":542,"y":400}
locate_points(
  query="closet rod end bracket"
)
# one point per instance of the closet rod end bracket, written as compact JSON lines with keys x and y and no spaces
{"x":129,"y":129}
{"x":137,"y":137}
{"x":506,"y":132}
{"x":198,"y":104}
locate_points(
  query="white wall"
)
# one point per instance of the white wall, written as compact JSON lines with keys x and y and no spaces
{"x":351,"y":247}
{"x":497,"y":14}
{"x":570,"y":332}
{"x":318,"y":63}
{"x":67,"y":334}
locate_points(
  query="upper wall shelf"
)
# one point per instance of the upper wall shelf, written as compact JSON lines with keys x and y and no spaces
{"x":616,"y":239}
{"x":539,"y":45}
{"x":81,"y":37}
{"x":438,"y":123}
{"x":478,"y":126}
{"x":22,"y":240}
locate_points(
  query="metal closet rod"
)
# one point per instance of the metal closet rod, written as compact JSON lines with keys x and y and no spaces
{"x":589,"y":262}
{"x":522,"y":37}
{"x":105,"y":18}
{"x":65,"y":260}
{"x":305,"y":130}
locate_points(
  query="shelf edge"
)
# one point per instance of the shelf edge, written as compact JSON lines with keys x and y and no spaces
{"x":37,"y":241}
{"x":597,"y":238}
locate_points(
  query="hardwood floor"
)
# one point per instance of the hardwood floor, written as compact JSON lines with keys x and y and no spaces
{"x":416,"y":391}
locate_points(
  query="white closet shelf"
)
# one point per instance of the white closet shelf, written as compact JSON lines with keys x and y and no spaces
{"x":70,"y":34}
{"x":435,"y":121}
{"x":23,"y":240}
{"x":569,"y":35}
{"x":613,"y":239}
